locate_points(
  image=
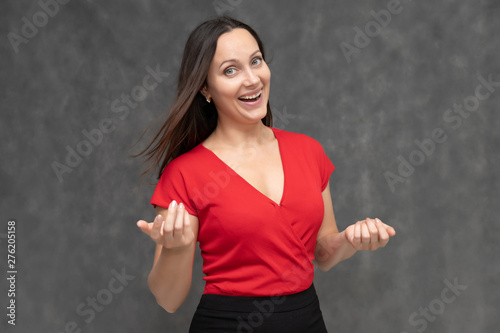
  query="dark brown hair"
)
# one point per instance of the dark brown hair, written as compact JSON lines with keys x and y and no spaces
{"x":191,"y":119}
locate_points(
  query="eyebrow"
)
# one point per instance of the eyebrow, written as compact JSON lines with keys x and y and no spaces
{"x":229,"y":60}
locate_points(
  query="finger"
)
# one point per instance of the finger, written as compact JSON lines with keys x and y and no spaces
{"x":168,"y":227}
{"x":145,"y":226}
{"x":373,"y":231}
{"x":357,"y":234}
{"x":179,"y":222}
{"x":365,"y":234}
{"x":382,"y":235}
{"x":349,"y":234}
{"x":156,"y":227}
{"x":390,"y":230}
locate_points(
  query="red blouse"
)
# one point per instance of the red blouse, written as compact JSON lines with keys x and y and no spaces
{"x":251,"y":245}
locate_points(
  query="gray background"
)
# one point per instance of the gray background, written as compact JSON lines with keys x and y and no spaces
{"x":72,"y":233}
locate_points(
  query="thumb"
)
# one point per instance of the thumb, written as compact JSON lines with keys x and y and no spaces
{"x":349,"y":233}
{"x":145,"y":226}
{"x":390,"y":230}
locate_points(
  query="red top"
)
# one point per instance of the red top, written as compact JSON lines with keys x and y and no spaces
{"x":251,"y":245}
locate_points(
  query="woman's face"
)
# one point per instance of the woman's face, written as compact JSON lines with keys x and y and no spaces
{"x":238,"y":79}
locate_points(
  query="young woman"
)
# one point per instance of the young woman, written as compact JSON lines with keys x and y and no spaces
{"x":256,"y":198}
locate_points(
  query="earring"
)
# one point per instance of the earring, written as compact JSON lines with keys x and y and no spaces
{"x":208,"y":99}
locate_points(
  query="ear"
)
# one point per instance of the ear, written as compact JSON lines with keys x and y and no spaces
{"x":204,"y":91}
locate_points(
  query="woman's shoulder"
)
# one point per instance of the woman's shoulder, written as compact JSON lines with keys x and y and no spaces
{"x":298,"y":139}
{"x":187,"y":161}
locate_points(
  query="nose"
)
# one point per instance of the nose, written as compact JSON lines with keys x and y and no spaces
{"x":251,"y":77}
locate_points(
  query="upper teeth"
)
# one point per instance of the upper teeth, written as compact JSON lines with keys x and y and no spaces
{"x":253,"y":96}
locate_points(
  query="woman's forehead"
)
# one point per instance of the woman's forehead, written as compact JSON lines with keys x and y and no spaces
{"x":235,"y":44}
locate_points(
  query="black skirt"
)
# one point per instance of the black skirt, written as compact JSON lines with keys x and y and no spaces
{"x":295,"y":313}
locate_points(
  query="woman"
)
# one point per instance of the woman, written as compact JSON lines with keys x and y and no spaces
{"x":256,"y":198}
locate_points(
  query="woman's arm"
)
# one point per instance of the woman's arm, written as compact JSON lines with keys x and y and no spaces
{"x":171,"y":275}
{"x":332,"y":247}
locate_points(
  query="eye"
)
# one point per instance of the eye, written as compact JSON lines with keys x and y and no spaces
{"x":230,"y":71}
{"x":257,"y":61}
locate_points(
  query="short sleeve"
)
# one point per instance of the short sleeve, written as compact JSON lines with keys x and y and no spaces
{"x":172,"y":186}
{"x":326,"y":166}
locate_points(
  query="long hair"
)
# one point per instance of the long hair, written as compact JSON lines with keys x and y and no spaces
{"x":191,"y":119}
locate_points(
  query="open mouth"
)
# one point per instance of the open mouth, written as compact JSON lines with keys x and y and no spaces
{"x":251,"y":98}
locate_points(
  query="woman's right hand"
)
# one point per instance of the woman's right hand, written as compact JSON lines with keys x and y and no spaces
{"x":174,"y":232}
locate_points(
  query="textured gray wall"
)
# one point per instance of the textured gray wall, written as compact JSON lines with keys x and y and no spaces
{"x":367,"y":105}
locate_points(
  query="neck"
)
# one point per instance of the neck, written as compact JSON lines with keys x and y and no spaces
{"x":242,"y":136}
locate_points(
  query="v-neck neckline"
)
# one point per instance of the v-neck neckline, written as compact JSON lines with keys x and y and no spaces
{"x":283,"y":169}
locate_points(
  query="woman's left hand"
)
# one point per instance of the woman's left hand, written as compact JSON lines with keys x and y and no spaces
{"x":369,"y":234}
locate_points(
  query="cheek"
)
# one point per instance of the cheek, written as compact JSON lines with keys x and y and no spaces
{"x":266,"y":73}
{"x":226,"y":88}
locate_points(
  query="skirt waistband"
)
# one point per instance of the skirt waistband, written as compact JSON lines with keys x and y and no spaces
{"x":264,"y":304}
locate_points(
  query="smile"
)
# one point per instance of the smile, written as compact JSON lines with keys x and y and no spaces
{"x":251,"y":98}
